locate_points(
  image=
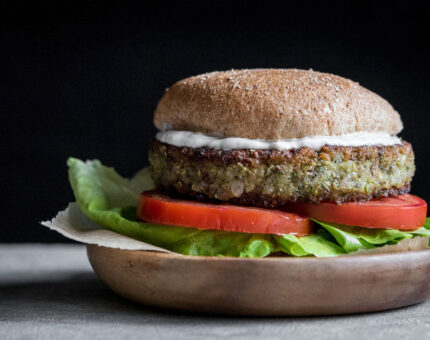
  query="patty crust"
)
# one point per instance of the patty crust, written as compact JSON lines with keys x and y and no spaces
{"x":271,"y":178}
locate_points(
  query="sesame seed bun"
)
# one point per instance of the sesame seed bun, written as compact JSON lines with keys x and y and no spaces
{"x":273,"y":104}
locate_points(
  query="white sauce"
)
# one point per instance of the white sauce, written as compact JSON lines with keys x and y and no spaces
{"x":199,"y":140}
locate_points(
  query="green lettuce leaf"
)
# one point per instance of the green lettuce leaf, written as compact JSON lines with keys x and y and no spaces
{"x":110,"y":200}
{"x":352,"y":238}
{"x":427,"y":223}
{"x":319,"y":245}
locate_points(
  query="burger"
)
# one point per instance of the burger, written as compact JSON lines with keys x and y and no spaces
{"x":261,"y":162}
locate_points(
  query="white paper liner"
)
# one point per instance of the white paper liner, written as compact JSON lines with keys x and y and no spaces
{"x":73,"y":224}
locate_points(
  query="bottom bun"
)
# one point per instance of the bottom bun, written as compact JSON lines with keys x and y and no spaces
{"x":409,"y":244}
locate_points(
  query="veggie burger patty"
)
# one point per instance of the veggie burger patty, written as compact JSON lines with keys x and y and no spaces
{"x":271,"y":178}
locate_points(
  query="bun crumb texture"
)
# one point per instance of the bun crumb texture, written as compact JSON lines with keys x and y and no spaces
{"x":273,"y":104}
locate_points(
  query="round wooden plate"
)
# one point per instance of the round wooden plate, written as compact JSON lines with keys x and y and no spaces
{"x":269,"y":286}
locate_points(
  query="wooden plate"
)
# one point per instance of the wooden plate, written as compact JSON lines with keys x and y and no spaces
{"x":270,"y":286}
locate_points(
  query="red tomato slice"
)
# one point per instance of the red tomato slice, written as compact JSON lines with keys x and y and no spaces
{"x":406,"y":212}
{"x":159,"y":208}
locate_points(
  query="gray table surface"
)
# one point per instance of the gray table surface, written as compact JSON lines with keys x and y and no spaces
{"x":50,"y":292}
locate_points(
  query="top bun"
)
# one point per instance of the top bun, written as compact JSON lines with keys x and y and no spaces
{"x":273,"y":104}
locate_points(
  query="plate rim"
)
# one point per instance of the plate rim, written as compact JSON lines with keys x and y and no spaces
{"x":346,"y":258}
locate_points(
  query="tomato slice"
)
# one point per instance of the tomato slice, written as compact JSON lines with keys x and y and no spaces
{"x":160,"y":208}
{"x":403,"y":212}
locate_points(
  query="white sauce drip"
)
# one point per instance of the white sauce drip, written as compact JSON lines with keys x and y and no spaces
{"x":199,"y":140}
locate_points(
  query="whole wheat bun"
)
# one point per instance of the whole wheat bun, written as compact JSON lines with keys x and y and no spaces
{"x":273,"y":104}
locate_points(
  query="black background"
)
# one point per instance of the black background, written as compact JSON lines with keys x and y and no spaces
{"x":83,"y":78}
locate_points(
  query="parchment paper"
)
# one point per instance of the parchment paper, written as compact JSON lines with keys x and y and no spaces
{"x":73,"y":224}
